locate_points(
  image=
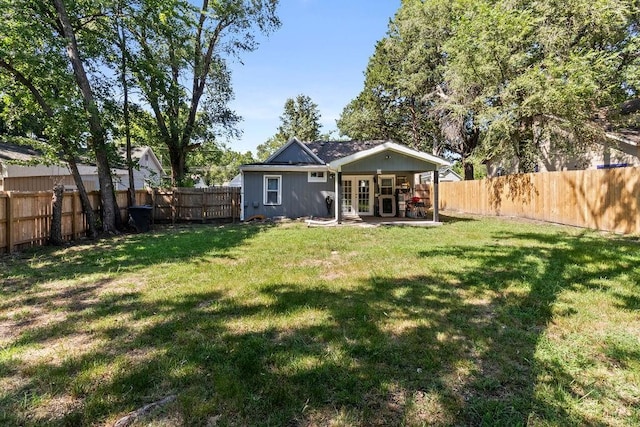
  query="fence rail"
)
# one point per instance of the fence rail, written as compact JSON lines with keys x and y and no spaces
{"x":25,"y":217}
{"x":599,"y":199}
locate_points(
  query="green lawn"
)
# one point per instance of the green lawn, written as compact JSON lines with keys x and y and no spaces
{"x":480,"y":321}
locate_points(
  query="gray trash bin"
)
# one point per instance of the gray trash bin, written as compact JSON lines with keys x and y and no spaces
{"x":141,"y":217}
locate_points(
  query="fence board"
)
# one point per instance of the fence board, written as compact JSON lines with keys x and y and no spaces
{"x":600,"y":199}
{"x":25,"y":217}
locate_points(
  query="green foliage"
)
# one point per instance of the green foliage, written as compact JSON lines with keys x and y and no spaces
{"x":300,"y":119}
{"x":178,"y":56}
{"x":228,"y":166}
{"x":493,"y":78}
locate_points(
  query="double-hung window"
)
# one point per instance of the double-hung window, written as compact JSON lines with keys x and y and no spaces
{"x":272,"y":190}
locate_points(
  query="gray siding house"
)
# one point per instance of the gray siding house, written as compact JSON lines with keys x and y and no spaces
{"x":332,"y":179}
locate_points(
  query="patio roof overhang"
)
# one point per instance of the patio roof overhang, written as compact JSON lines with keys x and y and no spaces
{"x":388,"y":156}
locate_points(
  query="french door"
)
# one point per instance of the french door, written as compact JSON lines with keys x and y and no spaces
{"x":357,"y":195}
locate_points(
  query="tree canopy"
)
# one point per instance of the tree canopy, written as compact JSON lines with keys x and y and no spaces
{"x":490,"y":78}
{"x":300,"y":119}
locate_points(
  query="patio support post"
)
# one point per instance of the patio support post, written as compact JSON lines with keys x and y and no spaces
{"x":436,"y":201}
{"x":338,"y":201}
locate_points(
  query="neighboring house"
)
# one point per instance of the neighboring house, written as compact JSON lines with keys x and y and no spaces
{"x":21,"y":169}
{"x":618,"y":149}
{"x":147,"y":172}
{"x":235,"y":182}
{"x":446,"y":174}
{"x":333,"y":179}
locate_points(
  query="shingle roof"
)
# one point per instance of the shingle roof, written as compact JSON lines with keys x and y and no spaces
{"x":329,"y":151}
{"x":17,"y":152}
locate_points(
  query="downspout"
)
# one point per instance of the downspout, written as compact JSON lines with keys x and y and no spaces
{"x":339,"y":197}
{"x":336,"y":203}
{"x":241,"y":195}
{"x":436,"y":196}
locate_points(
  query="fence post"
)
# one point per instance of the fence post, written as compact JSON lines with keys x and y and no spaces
{"x":74,"y":206}
{"x":9,"y":223}
{"x":153,"y":205}
{"x":204,"y":207}
{"x":173,"y":205}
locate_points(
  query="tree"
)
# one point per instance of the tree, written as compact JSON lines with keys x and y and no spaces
{"x":42,"y":87}
{"x":228,"y":166}
{"x":541,"y":70}
{"x":300,"y":119}
{"x":110,"y":212}
{"x":173,"y":43}
{"x":499,"y":78}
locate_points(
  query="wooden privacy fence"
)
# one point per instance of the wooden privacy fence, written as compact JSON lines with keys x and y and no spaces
{"x":599,"y":199}
{"x":25,"y":217}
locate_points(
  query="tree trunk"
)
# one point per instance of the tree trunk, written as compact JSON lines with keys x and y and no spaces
{"x":66,"y":147}
{"x":109,"y":207}
{"x":177,"y":159}
{"x":55,"y":234}
{"x":125,"y":109}
{"x":468,"y":170}
{"x":89,"y":214}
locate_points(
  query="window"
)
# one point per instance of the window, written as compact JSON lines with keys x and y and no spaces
{"x":273,"y":189}
{"x":387,"y":185}
{"x":317,"y":176}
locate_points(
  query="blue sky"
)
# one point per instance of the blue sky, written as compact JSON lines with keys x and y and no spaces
{"x":321,"y":50}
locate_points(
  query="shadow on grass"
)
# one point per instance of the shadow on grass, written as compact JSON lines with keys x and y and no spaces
{"x":426,"y":349}
{"x":124,"y":253}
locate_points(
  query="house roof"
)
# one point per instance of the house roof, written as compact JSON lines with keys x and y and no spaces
{"x":329,"y":151}
{"x":389,"y":146}
{"x":274,"y":158}
{"x":627,"y":136}
{"x":18,"y":152}
{"x":336,"y":154}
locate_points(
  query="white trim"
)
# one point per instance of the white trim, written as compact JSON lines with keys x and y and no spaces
{"x":283,"y":168}
{"x":317,"y":178}
{"x":620,"y":139}
{"x":265,"y":190}
{"x":290,"y":142}
{"x":393,"y":183}
{"x":241,"y":196}
{"x":381,"y":199}
{"x":337,"y":199}
{"x":391,"y":146}
{"x":354,"y":195}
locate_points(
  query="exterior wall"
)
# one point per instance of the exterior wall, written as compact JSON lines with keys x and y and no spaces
{"x":387,"y":162}
{"x":41,"y":183}
{"x":43,"y":178}
{"x":300,"y":198}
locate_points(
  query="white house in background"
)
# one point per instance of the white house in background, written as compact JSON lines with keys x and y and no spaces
{"x":235,"y":182}
{"x":147,"y":173}
{"x":445,"y":174}
{"x":20,"y":171}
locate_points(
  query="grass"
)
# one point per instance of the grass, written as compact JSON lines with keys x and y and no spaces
{"x":477,"y":322}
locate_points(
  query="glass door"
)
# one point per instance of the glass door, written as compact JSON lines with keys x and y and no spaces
{"x":364,"y":197}
{"x":347,"y":197}
{"x":357,"y":198}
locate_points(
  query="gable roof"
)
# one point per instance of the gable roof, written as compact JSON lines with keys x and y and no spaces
{"x":335,"y":154}
{"x":389,"y":146}
{"x":330,"y":151}
{"x":137,"y":153}
{"x":301,"y":154}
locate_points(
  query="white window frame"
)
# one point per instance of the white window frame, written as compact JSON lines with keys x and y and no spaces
{"x":266,"y":191}
{"x":393,"y":184}
{"x":311,"y":178}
